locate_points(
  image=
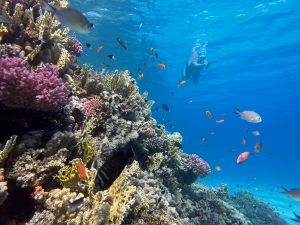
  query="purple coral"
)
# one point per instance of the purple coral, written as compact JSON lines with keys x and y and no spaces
{"x":22,"y":88}
{"x":198,"y":166}
{"x":92,"y":106}
{"x":74,"y":47}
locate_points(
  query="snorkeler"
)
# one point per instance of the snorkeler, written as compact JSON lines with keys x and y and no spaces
{"x":194,"y":65}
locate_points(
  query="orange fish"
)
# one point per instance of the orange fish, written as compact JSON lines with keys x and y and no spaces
{"x":258,"y":146}
{"x":243,"y":157}
{"x":220,"y":121}
{"x":82,"y":170}
{"x":140,"y":76}
{"x":222,"y":114}
{"x":151,"y":51}
{"x":100,"y":48}
{"x":181,"y":83}
{"x":162,"y":66}
{"x":208,"y":114}
{"x":217,"y":168}
{"x":244,"y":141}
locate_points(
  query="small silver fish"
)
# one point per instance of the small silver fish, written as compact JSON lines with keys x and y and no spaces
{"x":248,"y":115}
{"x":71,"y":17}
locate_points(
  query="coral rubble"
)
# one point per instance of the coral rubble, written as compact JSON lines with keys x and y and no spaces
{"x":79,"y":129}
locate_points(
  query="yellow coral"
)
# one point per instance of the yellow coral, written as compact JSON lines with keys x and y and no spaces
{"x":156,"y":161}
{"x":123,"y":195}
{"x":10,"y":144}
{"x":88,"y":150}
{"x":3,"y":30}
{"x":64,"y":58}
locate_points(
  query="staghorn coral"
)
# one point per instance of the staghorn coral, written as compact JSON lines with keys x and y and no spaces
{"x":21,"y":88}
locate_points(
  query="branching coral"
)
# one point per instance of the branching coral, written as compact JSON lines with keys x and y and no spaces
{"x":22,"y":88}
{"x":10,"y":144}
{"x":123,"y":197}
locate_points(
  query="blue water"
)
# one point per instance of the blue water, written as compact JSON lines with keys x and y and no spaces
{"x":253,"y":49}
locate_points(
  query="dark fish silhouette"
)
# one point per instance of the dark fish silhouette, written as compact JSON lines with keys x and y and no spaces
{"x":297,"y":218}
{"x":165,"y":107}
{"x":88,"y":45}
{"x":122,"y":43}
{"x":111,"y":170}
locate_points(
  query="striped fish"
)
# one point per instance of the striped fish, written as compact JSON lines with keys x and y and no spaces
{"x":111,"y":170}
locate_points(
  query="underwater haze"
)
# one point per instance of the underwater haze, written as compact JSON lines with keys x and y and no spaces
{"x":253,"y":54}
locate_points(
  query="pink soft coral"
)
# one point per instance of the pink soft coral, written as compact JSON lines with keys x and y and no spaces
{"x":22,"y":88}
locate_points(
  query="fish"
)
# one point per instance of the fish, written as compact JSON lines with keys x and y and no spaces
{"x":249,"y":116}
{"x":105,"y":65}
{"x":169,"y":121}
{"x":255,"y":133}
{"x":100,"y":48}
{"x":292,"y":193}
{"x":156,"y":110}
{"x":156,"y":55}
{"x":172,"y":126}
{"x":162,"y":66}
{"x":151,"y":51}
{"x":212,"y":133}
{"x":4,"y":18}
{"x":111,"y":169}
{"x":244,"y":140}
{"x":217,"y":168}
{"x":69,"y":16}
{"x":77,"y":202}
{"x":222,"y":114}
{"x":190,"y":101}
{"x":297,"y":218}
{"x":122,"y":43}
{"x":165,"y":107}
{"x":140,"y":76}
{"x":220,"y":121}
{"x":141,"y":25}
{"x":243,"y":157}
{"x":139,"y":69}
{"x":208,"y":114}
{"x":181,"y":83}
{"x":111,"y":56}
{"x":88,"y":45}
{"x":203,"y":139}
{"x":82,"y":170}
{"x":150,"y":104}
{"x":258,"y":146}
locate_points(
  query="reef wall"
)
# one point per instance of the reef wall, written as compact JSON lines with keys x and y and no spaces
{"x":81,"y":147}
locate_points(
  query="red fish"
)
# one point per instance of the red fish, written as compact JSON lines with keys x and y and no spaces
{"x":243,"y":157}
{"x":162,"y":66}
{"x":208,"y":114}
{"x":220,"y":121}
{"x":82,"y":170}
{"x":181,"y":83}
{"x":244,"y":141}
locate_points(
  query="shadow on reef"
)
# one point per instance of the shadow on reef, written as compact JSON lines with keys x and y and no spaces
{"x":20,"y":121}
{"x":19,"y":206}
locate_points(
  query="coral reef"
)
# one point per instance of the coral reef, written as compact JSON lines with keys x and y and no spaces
{"x":257,"y":211}
{"x":21,"y":88}
{"x":77,"y":128}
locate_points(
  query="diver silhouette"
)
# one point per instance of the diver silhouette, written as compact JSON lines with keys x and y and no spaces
{"x":196,"y":62}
